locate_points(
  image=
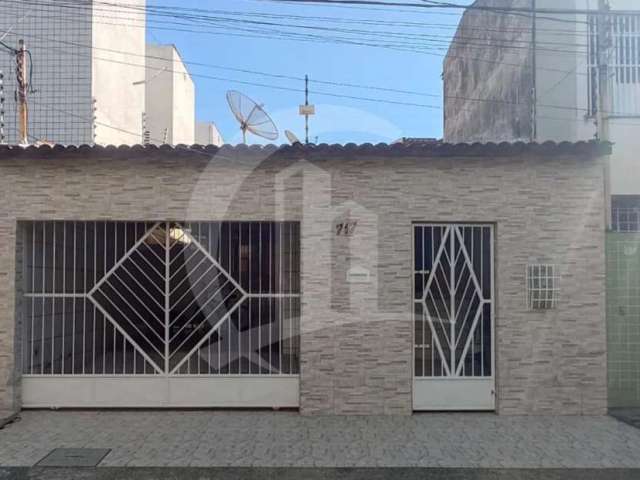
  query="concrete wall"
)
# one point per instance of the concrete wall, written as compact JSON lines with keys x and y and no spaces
{"x":170,"y":102}
{"x":118,"y":61}
{"x":356,"y":340}
{"x":207,"y":133}
{"x":488,"y":89}
{"x":623,"y":319}
{"x":184,"y":104}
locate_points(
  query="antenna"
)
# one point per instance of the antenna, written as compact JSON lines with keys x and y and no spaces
{"x":307,"y":109}
{"x":251,"y":117}
{"x":291,"y":137}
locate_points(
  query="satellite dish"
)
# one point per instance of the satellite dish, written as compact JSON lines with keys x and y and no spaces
{"x":291,"y":137}
{"x":251,"y":116}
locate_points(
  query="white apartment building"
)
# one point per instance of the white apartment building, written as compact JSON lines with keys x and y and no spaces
{"x":85,"y":58}
{"x":207,"y":133}
{"x":170,"y":102}
{"x":534,"y":77}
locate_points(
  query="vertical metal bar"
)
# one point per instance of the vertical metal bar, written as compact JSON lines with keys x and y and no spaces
{"x":443,"y":240}
{"x":492,"y":314}
{"x":433,"y":267}
{"x":84,"y":300}
{"x":482,"y":287}
{"x":95,"y":280}
{"x":24,"y":272}
{"x":75,"y":283}
{"x":33,"y":289}
{"x":64,"y":287}
{"x":452,"y":298}
{"x":270,"y":300}
{"x":260,"y":299}
{"x":124,"y":354}
{"x":280,"y":302}
{"x":115,"y":331}
{"x":44,"y":290}
{"x":209,"y":339}
{"x":115,"y":243}
{"x":53,"y":300}
{"x":290,"y":304}
{"x":473,"y":333}
{"x":167,"y":273}
{"x":250,"y":300}
{"x":104,"y":318}
{"x":422,"y":230}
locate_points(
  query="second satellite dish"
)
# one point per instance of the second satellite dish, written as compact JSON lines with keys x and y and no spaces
{"x":251,"y":116}
{"x":291,"y":137}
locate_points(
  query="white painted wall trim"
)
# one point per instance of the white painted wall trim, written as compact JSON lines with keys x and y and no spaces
{"x":453,"y":394}
{"x":154,"y":391}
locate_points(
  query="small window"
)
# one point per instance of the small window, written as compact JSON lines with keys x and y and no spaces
{"x":542,"y":286}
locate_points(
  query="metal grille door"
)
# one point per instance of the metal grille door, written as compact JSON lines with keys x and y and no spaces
{"x":166,"y":313}
{"x":453,"y":314}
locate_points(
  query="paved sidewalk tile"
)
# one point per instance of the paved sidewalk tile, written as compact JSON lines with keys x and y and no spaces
{"x":286,"y":439}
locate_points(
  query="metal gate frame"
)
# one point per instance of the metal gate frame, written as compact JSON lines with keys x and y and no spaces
{"x":166,"y":387}
{"x":454,"y":392}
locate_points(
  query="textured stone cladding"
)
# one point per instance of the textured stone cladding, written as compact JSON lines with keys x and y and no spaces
{"x":357,"y":337}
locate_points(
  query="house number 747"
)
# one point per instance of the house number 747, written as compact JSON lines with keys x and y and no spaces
{"x":346,"y":229}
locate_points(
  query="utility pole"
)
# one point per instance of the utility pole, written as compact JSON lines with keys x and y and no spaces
{"x":306,"y":103}
{"x":21,"y":94}
{"x":534,"y":73}
{"x":604,"y":95}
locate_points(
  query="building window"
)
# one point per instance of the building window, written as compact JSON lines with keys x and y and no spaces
{"x":624,"y":63}
{"x":542,"y":286}
{"x":625,"y":213}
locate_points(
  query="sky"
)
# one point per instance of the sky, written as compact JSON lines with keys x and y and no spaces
{"x":398,"y":66}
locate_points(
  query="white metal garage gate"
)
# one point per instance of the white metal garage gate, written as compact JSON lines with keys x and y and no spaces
{"x":139,"y":314}
{"x":453,"y":314}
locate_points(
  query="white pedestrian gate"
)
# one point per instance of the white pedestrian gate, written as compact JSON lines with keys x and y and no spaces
{"x":453,"y":314}
{"x":139,"y":314}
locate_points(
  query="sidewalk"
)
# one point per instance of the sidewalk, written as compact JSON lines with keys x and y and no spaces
{"x":286,"y":439}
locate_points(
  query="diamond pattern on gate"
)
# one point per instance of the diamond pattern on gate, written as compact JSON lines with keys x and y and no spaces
{"x":167,"y":295}
{"x":452,"y":301}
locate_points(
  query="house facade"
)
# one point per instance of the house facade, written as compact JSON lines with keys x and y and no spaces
{"x":331,"y":279}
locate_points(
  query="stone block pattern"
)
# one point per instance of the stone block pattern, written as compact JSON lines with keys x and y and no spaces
{"x":356,"y":344}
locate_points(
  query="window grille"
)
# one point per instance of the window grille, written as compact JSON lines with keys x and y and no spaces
{"x":626,"y":219}
{"x":624,"y":63}
{"x":542,"y":286}
{"x":453,"y":300}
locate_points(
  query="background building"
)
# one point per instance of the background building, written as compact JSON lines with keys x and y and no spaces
{"x":207,"y":133}
{"x":170,"y":102}
{"x":535,"y":78}
{"x":77,"y":71}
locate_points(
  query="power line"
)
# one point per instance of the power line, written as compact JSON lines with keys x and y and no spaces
{"x":393,"y":46}
{"x":509,"y":43}
{"x":294,"y":78}
{"x":322,"y":93}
